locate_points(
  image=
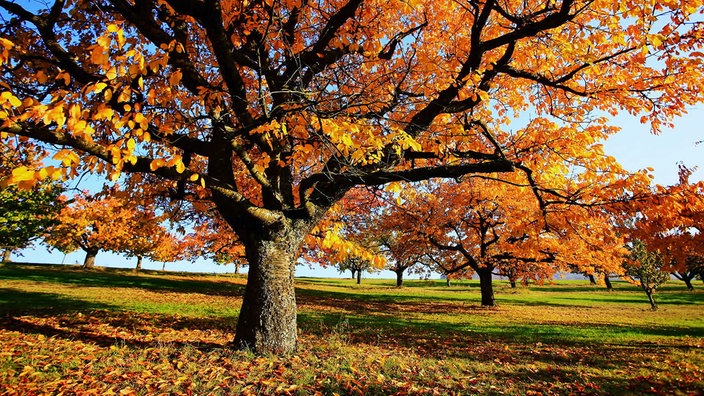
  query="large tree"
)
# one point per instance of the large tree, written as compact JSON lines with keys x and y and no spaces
{"x":275,"y":109}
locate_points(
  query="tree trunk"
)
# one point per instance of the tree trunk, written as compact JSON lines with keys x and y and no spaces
{"x":267,"y":321}
{"x":237,"y":268}
{"x":139,"y":263}
{"x":352,"y":271}
{"x":6,"y":255}
{"x":399,"y":277}
{"x":359,"y":276}
{"x":513,"y":283}
{"x":89,"y":262}
{"x":688,"y":282}
{"x":486,"y":286}
{"x":653,"y":305}
{"x":607,"y":282}
{"x":163,"y":266}
{"x":592,"y":281}
{"x":447,"y":281}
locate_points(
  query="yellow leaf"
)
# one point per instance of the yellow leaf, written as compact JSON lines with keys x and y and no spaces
{"x":193,"y":177}
{"x":6,"y":43}
{"x":130,"y":144}
{"x":112,"y":28}
{"x":111,"y":73}
{"x":156,"y":164}
{"x":9,"y":97}
{"x":22,"y":173}
{"x":394,"y":187}
{"x":99,"y":87}
{"x":67,"y":157}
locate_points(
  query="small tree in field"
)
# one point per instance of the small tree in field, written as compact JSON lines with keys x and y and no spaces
{"x":644,"y":268}
{"x":25,"y":213}
{"x":356,"y":265}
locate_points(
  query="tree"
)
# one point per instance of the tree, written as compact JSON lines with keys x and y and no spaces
{"x":644,"y":268}
{"x":95,"y":223}
{"x":356,"y":265}
{"x":669,"y":221}
{"x":274,"y":110}
{"x":211,"y":237}
{"x":25,"y":214}
{"x":168,"y":249}
{"x":493,"y":227}
{"x":694,"y":266}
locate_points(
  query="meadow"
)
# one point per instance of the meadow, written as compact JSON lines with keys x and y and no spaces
{"x":65,"y":330}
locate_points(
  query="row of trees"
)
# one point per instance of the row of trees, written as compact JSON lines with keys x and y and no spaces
{"x":273,"y":111}
{"x":110,"y":220}
{"x":486,"y":227}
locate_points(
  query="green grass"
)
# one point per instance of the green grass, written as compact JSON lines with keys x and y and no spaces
{"x":63,"y":329}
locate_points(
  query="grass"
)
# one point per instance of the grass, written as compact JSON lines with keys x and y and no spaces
{"x":107,"y":331}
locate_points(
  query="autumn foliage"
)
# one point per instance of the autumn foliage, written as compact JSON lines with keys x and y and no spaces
{"x":113,"y":223}
{"x":275,"y":110}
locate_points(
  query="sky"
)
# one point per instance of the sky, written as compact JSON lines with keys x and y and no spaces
{"x":635,"y":148}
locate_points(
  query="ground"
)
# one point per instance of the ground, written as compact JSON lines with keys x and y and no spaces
{"x":63,"y":329}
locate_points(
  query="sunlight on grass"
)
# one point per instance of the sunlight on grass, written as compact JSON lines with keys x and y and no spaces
{"x":64,"y":330}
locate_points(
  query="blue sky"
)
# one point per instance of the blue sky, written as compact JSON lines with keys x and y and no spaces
{"x":635,"y":148}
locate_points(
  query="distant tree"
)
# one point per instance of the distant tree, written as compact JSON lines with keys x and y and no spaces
{"x":607,"y":282}
{"x":694,"y":266}
{"x":211,"y":237}
{"x":94,"y":223}
{"x":25,"y":215}
{"x":644,"y":268}
{"x":25,"y":212}
{"x":356,"y":265}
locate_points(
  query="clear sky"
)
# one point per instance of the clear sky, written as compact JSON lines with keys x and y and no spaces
{"x":634,"y":147}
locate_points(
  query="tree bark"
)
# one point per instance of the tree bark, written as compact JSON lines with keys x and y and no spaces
{"x":592,"y":281}
{"x":653,"y":305}
{"x":267,"y":321}
{"x":89,"y":262}
{"x":139,"y":263}
{"x":353,"y":272}
{"x":486,"y":286}
{"x":513,"y":283}
{"x":6,"y":255}
{"x":688,"y":282}
{"x":447,"y":281}
{"x":607,"y":282}
{"x":359,"y":276}
{"x":399,"y":277}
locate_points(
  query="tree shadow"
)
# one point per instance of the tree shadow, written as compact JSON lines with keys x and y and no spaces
{"x":118,"y":277}
{"x":105,"y":325}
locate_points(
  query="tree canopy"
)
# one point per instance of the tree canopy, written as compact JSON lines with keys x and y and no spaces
{"x":275,"y":109}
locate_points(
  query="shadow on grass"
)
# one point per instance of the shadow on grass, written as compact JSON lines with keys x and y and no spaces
{"x":117,"y":277}
{"x":55,"y":315}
